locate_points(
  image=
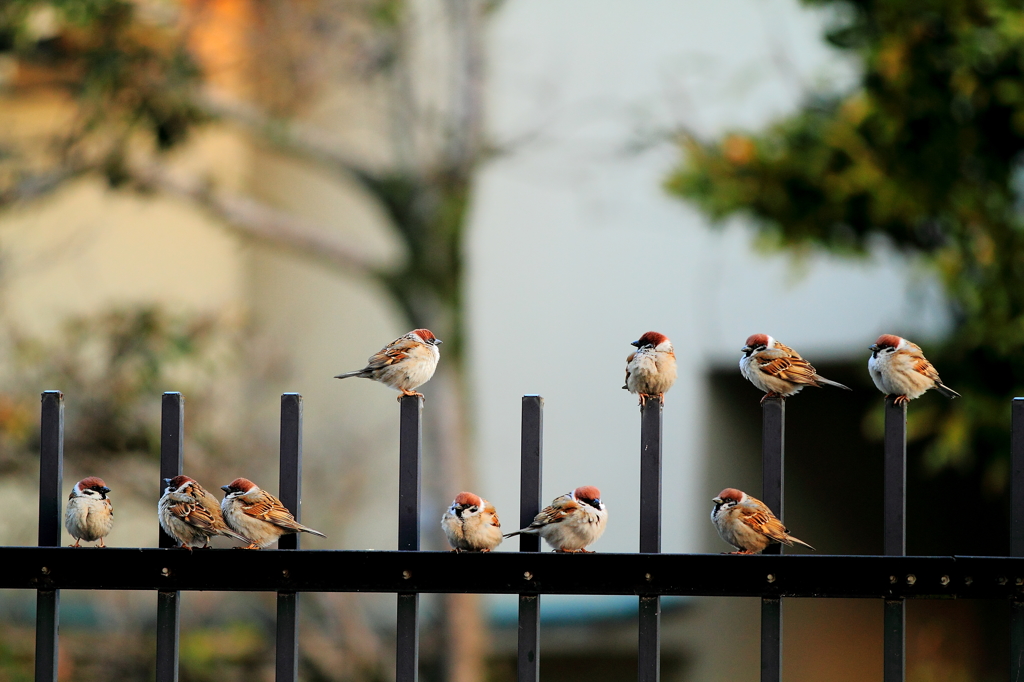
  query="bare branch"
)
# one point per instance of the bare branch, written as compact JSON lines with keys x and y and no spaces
{"x":255,"y":220}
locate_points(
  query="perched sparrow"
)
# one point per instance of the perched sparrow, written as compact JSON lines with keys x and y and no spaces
{"x":191,"y":515}
{"x":898,"y":367}
{"x":777,"y":369}
{"x":403,"y":364}
{"x":746,"y":523}
{"x":471,"y":524}
{"x":651,"y":370}
{"x":257,"y":514}
{"x":571,"y":522}
{"x":89,"y":516}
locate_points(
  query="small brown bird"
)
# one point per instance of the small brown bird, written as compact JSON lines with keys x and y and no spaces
{"x":747,"y":523}
{"x":404,"y":364}
{"x":899,"y":367}
{"x":257,"y":514}
{"x":471,"y":524}
{"x":89,"y":515}
{"x":777,"y":369}
{"x":191,"y":515}
{"x":571,"y":522}
{"x":651,"y":370}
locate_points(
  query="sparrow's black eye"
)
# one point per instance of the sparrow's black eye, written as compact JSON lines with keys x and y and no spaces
{"x":474,"y":509}
{"x":889,"y":350}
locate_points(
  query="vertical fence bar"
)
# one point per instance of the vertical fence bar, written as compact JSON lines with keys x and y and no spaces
{"x":1017,"y":534}
{"x":290,"y":491}
{"x":410,"y":447}
{"x":168,"y":610}
{"x":51,"y":468}
{"x":649,"y":648}
{"x":773,"y":456}
{"x":530,"y":503}
{"x":895,"y":533}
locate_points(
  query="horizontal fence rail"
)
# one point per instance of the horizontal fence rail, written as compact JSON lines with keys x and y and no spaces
{"x":712,"y":575}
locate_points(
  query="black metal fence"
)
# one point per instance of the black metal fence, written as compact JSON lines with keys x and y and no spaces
{"x":408,"y":572}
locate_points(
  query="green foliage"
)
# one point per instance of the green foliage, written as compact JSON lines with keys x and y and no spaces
{"x":925,"y":153}
{"x":111,"y":366}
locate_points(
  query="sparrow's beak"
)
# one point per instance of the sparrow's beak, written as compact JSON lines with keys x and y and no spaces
{"x":438,"y":342}
{"x":717,"y":500}
{"x":104,"y":490}
{"x":167,"y":481}
{"x":635,"y":343}
{"x":746,"y":349}
{"x":225,"y":488}
{"x":873,"y":348}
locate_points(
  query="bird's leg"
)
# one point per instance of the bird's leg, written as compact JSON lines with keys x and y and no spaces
{"x":456,"y":550}
{"x":741,"y":551}
{"x":484,"y":550}
{"x":661,"y":397}
{"x":77,"y":543}
{"x":251,"y":545}
{"x":586,"y":551}
{"x":769,"y":395}
{"x":413,"y":393}
{"x":101,"y":545}
{"x":901,"y":400}
{"x":643,"y":399}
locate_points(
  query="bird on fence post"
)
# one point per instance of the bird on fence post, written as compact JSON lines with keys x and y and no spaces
{"x":471,"y":524}
{"x":404,"y":364}
{"x":89,"y":515}
{"x":258,"y":515}
{"x":899,"y":367}
{"x":191,"y":515}
{"x":747,"y":523}
{"x":651,"y":369}
{"x":778,"y":369}
{"x":571,"y":522}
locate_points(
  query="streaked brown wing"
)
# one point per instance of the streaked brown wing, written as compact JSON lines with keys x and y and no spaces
{"x":392,"y":353}
{"x":556,"y":513}
{"x":764,"y":523}
{"x":795,"y":370}
{"x":187,"y":509}
{"x":922,"y":366}
{"x":269,"y":508}
{"x":787,"y":350}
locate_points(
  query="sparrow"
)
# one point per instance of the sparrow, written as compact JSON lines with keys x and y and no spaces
{"x":191,"y":515}
{"x":404,"y":364}
{"x":471,"y":524}
{"x":898,"y":367}
{"x":571,"y":522}
{"x":89,"y":515}
{"x":258,"y":515}
{"x":777,"y":369}
{"x":651,"y":370}
{"x":747,"y":523}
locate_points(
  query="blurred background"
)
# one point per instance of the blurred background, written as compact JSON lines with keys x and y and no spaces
{"x":236,"y":198}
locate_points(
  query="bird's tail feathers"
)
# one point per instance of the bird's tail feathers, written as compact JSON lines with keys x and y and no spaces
{"x":521,"y":531}
{"x":306,"y":529}
{"x":798,"y":541}
{"x":227,"y":532}
{"x":357,"y":373}
{"x":823,"y":380}
{"x":946,"y":390}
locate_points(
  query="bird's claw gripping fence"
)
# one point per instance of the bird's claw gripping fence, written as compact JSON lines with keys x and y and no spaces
{"x":529,"y":573}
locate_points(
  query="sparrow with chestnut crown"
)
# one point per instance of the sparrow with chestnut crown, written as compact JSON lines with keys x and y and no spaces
{"x":778,"y":369}
{"x":258,"y":515}
{"x":471,"y":524}
{"x":899,"y":367}
{"x":191,"y":515}
{"x":404,"y":364}
{"x":651,"y":369}
{"x":89,"y":515}
{"x":747,"y":523}
{"x":572,"y":521}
